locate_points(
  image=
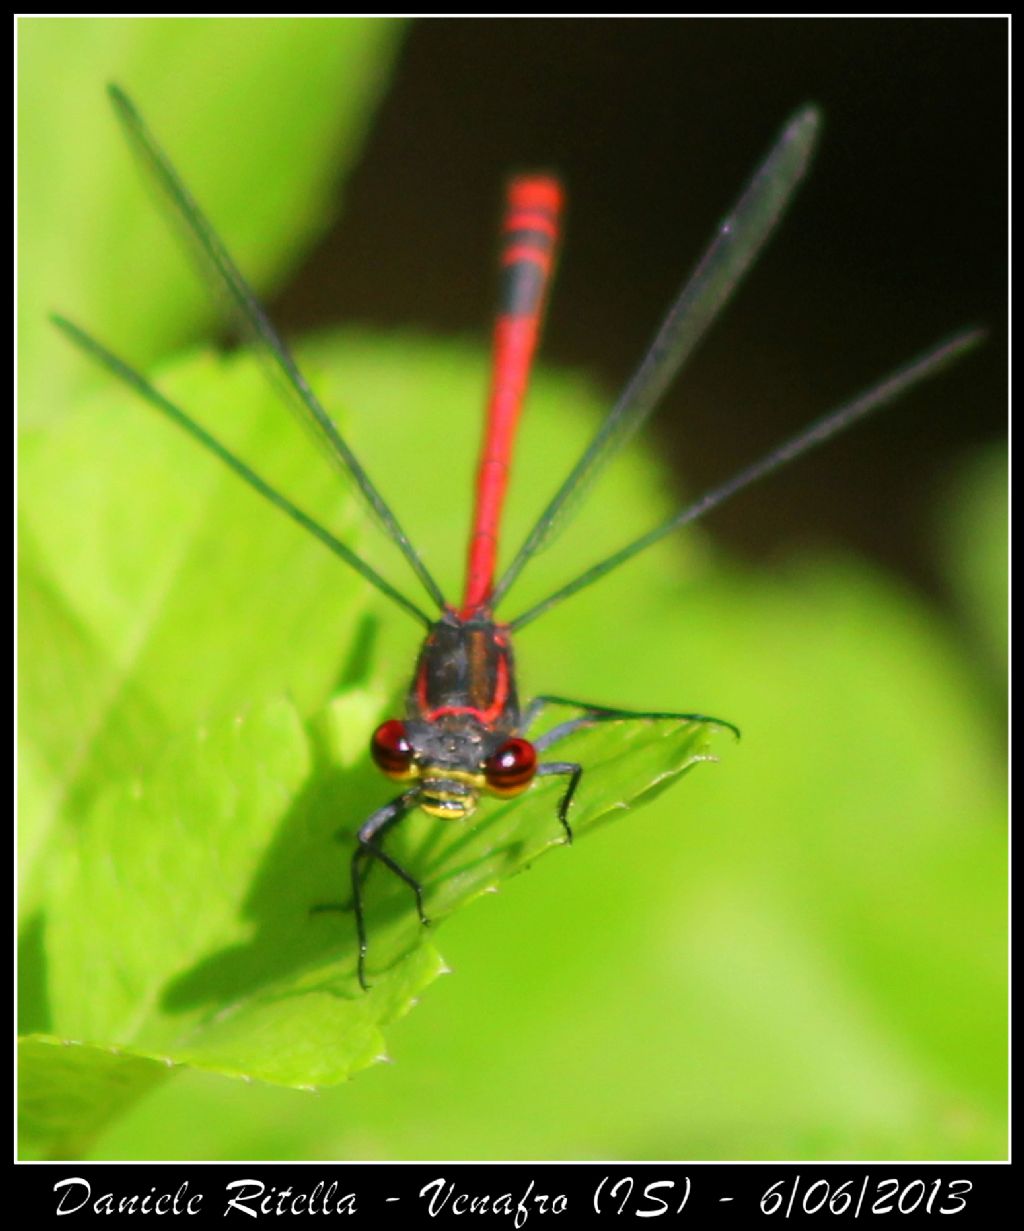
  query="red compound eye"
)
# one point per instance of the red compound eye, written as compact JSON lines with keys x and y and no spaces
{"x":391,"y":749}
{"x":512,"y":767}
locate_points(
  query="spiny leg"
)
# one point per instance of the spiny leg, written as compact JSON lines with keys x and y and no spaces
{"x":593,"y":714}
{"x":378,"y":825}
{"x":575,"y":773}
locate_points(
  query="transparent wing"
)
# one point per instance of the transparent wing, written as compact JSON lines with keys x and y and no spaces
{"x":218,"y":267}
{"x":736,"y":245}
{"x":150,"y":394}
{"x":893,"y":386}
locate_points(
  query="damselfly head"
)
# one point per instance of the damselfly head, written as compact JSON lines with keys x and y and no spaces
{"x":454,"y":761}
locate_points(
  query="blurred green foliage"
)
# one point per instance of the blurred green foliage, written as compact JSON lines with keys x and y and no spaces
{"x":267,"y":115}
{"x":800,"y":953}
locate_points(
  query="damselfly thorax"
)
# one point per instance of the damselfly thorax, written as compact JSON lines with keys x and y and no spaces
{"x":458,"y":740}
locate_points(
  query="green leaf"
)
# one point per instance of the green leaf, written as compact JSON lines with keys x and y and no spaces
{"x":68,"y":1091}
{"x":177,"y":922}
{"x":200,"y":681}
{"x":197,"y":879}
{"x":138,"y":587}
{"x":832,"y":903}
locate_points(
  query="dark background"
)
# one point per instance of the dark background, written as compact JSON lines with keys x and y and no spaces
{"x":897,"y":239}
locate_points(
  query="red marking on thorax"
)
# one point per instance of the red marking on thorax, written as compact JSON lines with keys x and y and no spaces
{"x":487,"y":716}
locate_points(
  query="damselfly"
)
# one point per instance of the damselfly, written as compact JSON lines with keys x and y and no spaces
{"x":464,"y":733}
